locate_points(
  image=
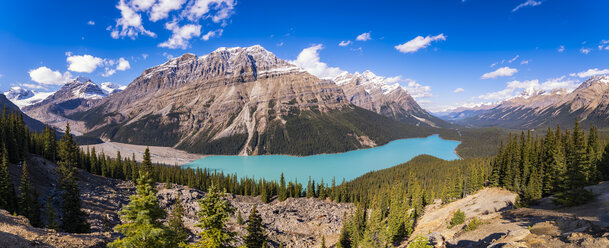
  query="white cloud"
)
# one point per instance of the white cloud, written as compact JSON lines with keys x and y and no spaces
{"x":364,"y":37}
{"x":83,"y":63}
{"x":501,"y":72}
{"x":530,"y":3}
{"x":561,"y":49}
{"x":214,"y":33}
{"x":458,"y":90}
{"x":515,"y":88}
{"x":167,"y":55}
{"x":418,"y":43}
{"x":494,"y":64}
{"x":91,"y":23}
{"x":123,"y":64}
{"x":308,"y":59}
{"x":344,"y":43}
{"x":181,"y":35}
{"x":142,"y":4}
{"x":108,"y":72}
{"x":44,"y":75}
{"x":584,"y":50}
{"x":513,"y":59}
{"x":34,"y":86}
{"x":590,"y":73}
{"x":524,"y":62}
{"x":130,"y":24}
{"x":161,"y":9}
{"x":200,"y":8}
{"x":144,"y":55}
{"x":417,"y":90}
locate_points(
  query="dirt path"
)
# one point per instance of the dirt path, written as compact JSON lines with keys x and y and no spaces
{"x":158,"y":154}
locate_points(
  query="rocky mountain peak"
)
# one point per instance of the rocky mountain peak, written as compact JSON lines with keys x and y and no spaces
{"x":18,"y":93}
{"x":600,"y":81}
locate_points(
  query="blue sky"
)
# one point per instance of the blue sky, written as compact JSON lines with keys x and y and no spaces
{"x":453,"y":52}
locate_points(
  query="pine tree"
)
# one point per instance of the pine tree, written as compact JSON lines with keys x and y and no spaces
{"x":255,"y":237}
{"x":73,"y":218}
{"x":323,"y":242}
{"x":50,"y":213}
{"x":146,"y":162}
{"x":28,"y":200}
{"x":264,"y":195}
{"x":240,"y":220}
{"x":310,"y":189}
{"x":283,"y":194}
{"x":603,"y":165}
{"x":179,"y":232}
{"x":142,"y":219}
{"x":5,"y":184}
{"x":215,"y":212}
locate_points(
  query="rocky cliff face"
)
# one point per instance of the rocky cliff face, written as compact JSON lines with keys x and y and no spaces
{"x":589,"y":104}
{"x":77,"y":95}
{"x":374,"y":93}
{"x":231,"y":101}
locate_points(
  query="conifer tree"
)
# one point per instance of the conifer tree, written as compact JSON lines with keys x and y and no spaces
{"x":5,"y":184}
{"x":323,"y":242}
{"x":264,"y":195}
{"x":51,"y":215}
{"x":255,"y":237}
{"x":603,"y":165}
{"x":283,"y":194}
{"x":28,"y":202}
{"x":142,"y":219}
{"x":146,"y":162}
{"x":240,"y":220}
{"x":73,"y":218}
{"x":215,"y":212}
{"x":179,"y":232}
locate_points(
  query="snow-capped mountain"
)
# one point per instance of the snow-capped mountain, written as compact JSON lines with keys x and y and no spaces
{"x":23,"y":97}
{"x":240,"y":100}
{"x":77,"y":95}
{"x":374,"y":93}
{"x":588,"y":103}
{"x":111,"y":88}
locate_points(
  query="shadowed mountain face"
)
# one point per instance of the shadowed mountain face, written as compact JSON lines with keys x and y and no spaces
{"x":34,"y":124}
{"x":238,"y":101}
{"x":589,"y":104}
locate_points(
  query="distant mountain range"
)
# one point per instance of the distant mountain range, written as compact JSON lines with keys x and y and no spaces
{"x":588,"y":103}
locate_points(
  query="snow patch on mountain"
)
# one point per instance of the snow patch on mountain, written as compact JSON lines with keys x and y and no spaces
{"x":110,"y":88}
{"x":24,"y":97}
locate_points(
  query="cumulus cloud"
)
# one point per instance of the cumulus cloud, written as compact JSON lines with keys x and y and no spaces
{"x":584,"y":50}
{"x":590,"y":73}
{"x":418,"y":43}
{"x":364,"y":37}
{"x":83,"y":63}
{"x":44,"y":75}
{"x":344,"y":43}
{"x":529,"y":3}
{"x":123,"y":64}
{"x":561,"y":49}
{"x":458,"y":90}
{"x":130,"y":24}
{"x":108,"y":72}
{"x":515,"y":88}
{"x":215,"y":33}
{"x":186,"y":18}
{"x":501,"y":72}
{"x":415,"y":89}
{"x":308,"y":59}
{"x":181,"y":35}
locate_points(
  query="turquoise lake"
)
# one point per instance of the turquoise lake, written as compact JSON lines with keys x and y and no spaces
{"x":347,"y":165}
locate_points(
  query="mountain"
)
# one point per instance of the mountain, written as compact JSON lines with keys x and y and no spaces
{"x":34,"y":124}
{"x":77,"y":95}
{"x":24,"y":97}
{"x":374,"y":93}
{"x":588,"y":103}
{"x":238,"y":101}
{"x":459,"y":114}
{"x":110,"y":88}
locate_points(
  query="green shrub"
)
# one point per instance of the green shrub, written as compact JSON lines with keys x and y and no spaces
{"x":458,"y":218}
{"x":419,"y":242}
{"x":473,"y":224}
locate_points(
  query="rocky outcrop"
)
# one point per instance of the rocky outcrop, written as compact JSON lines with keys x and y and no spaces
{"x":297,"y":222}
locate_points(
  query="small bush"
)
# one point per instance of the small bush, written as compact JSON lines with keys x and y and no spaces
{"x":458,"y":218}
{"x":473,"y":224}
{"x":419,"y":242}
